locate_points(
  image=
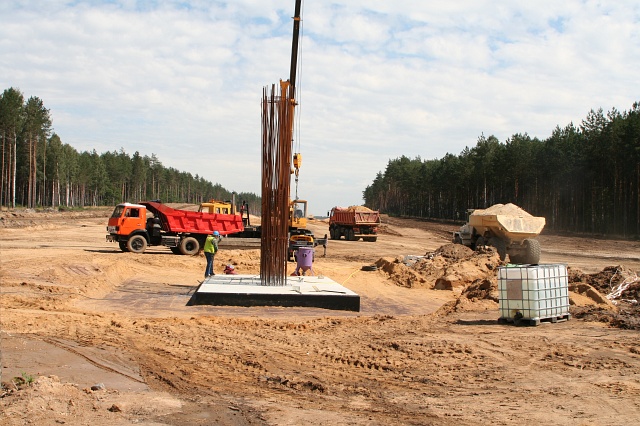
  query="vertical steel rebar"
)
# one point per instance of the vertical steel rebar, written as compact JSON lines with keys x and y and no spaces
{"x":277,"y":145}
{"x":277,"y":119}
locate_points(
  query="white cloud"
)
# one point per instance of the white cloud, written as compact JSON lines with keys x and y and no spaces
{"x":378,"y":79}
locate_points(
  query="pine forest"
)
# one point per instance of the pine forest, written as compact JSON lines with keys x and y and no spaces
{"x":582,"y":179}
{"x":39,"y":170}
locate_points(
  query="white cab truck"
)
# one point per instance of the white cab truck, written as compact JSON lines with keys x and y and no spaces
{"x":508,"y":228}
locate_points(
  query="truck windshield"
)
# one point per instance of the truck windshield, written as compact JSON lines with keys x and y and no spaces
{"x":118,"y":211}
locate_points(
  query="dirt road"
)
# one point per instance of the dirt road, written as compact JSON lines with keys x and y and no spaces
{"x":77,"y":313}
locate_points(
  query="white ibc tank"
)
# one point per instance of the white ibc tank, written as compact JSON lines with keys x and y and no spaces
{"x":533,"y":293}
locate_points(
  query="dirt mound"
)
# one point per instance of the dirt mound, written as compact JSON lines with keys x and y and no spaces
{"x":617,"y":283}
{"x":47,"y":391}
{"x":481,"y":290}
{"x":454,"y":251}
{"x":451,"y":267}
{"x":581,"y":294}
{"x":626,"y":318}
{"x":615,"y":291}
{"x":472,"y":276}
{"x":48,"y":400}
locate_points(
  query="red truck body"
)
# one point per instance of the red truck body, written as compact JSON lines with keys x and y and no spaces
{"x":150,"y":223}
{"x":181,"y":221}
{"x":354,"y":223}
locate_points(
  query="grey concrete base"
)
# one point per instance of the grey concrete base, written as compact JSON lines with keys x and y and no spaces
{"x":245,"y":290}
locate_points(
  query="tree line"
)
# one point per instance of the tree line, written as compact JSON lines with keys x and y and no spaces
{"x":39,"y":170}
{"x":583,"y":179}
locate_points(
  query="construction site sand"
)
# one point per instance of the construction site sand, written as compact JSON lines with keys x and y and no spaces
{"x":503,"y":209}
{"x":425,"y":349}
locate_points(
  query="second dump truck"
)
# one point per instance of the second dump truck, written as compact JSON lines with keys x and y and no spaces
{"x":508,"y":228}
{"x":150,"y":223}
{"x":353,"y":223}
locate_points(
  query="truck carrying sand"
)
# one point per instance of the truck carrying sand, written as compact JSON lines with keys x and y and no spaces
{"x":354,"y":222}
{"x":508,"y":228}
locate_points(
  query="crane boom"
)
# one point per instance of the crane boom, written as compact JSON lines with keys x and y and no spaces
{"x":294,"y":50}
{"x":297,"y":157}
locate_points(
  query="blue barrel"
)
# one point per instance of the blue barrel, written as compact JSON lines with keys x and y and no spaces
{"x":305,"y":258}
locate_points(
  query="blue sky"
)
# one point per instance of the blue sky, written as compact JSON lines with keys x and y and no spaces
{"x":377,"y":79}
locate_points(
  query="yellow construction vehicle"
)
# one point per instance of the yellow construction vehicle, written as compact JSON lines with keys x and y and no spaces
{"x":299,"y":235}
{"x":229,"y":207}
{"x":217,"y":207}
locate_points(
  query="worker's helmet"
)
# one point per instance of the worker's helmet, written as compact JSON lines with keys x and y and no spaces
{"x":216,"y":233}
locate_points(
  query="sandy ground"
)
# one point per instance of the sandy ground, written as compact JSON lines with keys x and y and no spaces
{"x":91,"y":335}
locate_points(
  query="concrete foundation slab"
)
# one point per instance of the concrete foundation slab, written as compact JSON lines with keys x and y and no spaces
{"x":245,"y":290}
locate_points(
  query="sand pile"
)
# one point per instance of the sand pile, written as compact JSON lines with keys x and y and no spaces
{"x":615,"y":291}
{"x":619,"y":283}
{"x":451,"y":267}
{"x":503,"y":209}
{"x":356,"y":209}
{"x":472,"y":276}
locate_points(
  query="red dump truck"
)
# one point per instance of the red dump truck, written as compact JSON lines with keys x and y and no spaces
{"x":353,"y":223}
{"x":150,"y":223}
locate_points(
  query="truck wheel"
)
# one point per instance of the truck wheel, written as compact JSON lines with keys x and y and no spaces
{"x":137,"y":244}
{"x":123,"y":246}
{"x":351,"y":236}
{"x":189,"y":246}
{"x":332,"y":233}
{"x":500,"y":247}
{"x":532,"y":251}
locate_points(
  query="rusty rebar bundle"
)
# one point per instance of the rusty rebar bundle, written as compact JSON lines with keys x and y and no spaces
{"x":277,"y":117}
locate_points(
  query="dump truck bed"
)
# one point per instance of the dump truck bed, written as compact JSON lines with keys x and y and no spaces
{"x":174,"y":220}
{"x":355,"y":217}
{"x":508,"y":222}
